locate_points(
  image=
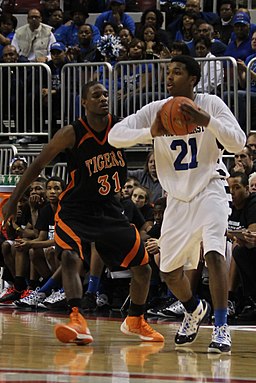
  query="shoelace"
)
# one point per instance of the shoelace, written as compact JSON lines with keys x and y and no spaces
{"x":75,"y":315}
{"x":221,"y":334}
{"x":147,"y":327}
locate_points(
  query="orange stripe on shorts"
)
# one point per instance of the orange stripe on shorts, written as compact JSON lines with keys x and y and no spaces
{"x":132,"y":254}
{"x":72,"y":235}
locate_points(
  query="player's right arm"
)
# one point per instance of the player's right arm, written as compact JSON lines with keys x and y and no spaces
{"x":62,"y":140}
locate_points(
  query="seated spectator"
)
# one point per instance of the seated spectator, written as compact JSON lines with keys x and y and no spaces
{"x":117,"y":16}
{"x":225,"y":28}
{"x":240,"y":47}
{"x":125,"y":36}
{"x":204,"y":29}
{"x":68,"y":34}
{"x":193,"y":6}
{"x":18,"y":165}
{"x":148,"y":177}
{"x":56,"y":20}
{"x":86,"y":49}
{"x":243,"y":162}
{"x":252,"y":183}
{"x":211,"y":70}
{"x":141,"y":198}
{"x":242,"y":77}
{"x":185,"y":33}
{"x":155,"y":49}
{"x":18,"y":260}
{"x":153,"y":17}
{"x":8,"y":24}
{"x":42,"y":248}
{"x":179,"y":48}
{"x":127,"y":190}
{"x":13,"y":84}
{"x":243,"y":217}
{"x":33,"y":40}
{"x":48,"y":6}
{"x":251,"y":142}
{"x":58,"y":60}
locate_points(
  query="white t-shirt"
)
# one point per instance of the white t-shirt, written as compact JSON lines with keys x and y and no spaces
{"x":185,"y":164}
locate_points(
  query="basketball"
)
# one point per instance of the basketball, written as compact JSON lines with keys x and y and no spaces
{"x":173,"y":120}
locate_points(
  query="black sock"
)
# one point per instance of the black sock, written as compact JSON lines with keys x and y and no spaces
{"x":20,"y":283}
{"x":33,"y":284}
{"x":191,"y":304}
{"x":136,"y":310}
{"x":75,"y":302}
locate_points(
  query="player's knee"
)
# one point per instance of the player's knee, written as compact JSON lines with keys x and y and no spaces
{"x":214,"y":259}
{"x":68,"y":259}
{"x":171,"y":278}
{"x":142,"y":272}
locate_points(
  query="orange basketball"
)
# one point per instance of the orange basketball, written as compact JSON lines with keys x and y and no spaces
{"x":173,"y":120}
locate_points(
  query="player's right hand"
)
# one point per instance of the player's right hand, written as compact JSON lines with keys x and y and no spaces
{"x":9,"y":211}
{"x":157,"y":128}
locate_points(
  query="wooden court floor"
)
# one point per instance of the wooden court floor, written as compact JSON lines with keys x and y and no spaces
{"x":29,"y":352}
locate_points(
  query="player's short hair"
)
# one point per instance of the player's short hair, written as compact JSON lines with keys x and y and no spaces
{"x":87,"y":86}
{"x":56,"y":179}
{"x":242,"y":176}
{"x":192,"y":66}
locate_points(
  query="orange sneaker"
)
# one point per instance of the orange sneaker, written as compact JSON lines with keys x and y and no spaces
{"x":138,"y":326}
{"x":75,"y":331}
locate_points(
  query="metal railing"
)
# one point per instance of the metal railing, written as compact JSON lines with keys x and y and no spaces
{"x":22,"y":106}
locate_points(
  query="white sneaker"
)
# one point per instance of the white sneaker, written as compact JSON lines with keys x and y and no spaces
{"x":56,"y":300}
{"x":221,"y":340}
{"x":189,"y":327}
{"x":176,"y":309}
{"x":32,"y":300}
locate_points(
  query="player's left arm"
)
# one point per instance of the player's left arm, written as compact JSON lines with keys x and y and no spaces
{"x":224,"y":125}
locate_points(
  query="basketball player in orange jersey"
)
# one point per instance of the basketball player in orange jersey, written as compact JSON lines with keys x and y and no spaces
{"x":88,"y":211}
{"x":191,"y":170}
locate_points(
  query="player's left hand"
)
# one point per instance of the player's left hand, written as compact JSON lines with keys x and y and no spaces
{"x":195,"y":115}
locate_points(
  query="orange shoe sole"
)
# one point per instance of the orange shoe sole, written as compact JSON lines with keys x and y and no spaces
{"x":66,"y":334}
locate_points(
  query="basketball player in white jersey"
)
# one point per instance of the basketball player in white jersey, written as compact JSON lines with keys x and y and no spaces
{"x":191,"y":171}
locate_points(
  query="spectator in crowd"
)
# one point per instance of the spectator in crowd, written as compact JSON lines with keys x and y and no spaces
{"x":252,"y":182}
{"x":42,"y":248}
{"x":210,"y":70}
{"x":240,"y":47}
{"x":125,"y":36}
{"x":18,"y":259}
{"x":13,"y":84}
{"x":243,"y":162}
{"x":155,"y":49}
{"x":186,"y":32}
{"x":68,"y":34}
{"x":18,"y":165}
{"x":56,"y":20}
{"x":86,"y":49}
{"x":243,"y":216}
{"x":148,"y":177}
{"x":8,"y":24}
{"x":193,"y":6}
{"x":117,"y":16}
{"x":251,"y":142}
{"x":153,"y":17}
{"x":242,"y":78}
{"x":225,"y":28}
{"x":58,"y":60}
{"x":47,"y":8}
{"x":129,"y":185}
{"x":100,"y":209}
{"x":33,"y":40}
{"x":179,"y":48}
{"x":204,"y":29}
{"x":141,"y":198}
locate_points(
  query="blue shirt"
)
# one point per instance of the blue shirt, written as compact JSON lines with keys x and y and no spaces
{"x":9,"y":36}
{"x":253,"y":68}
{"x":239,"y":52}
{"x":126,"y":20}
{"x":68,"y":35}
